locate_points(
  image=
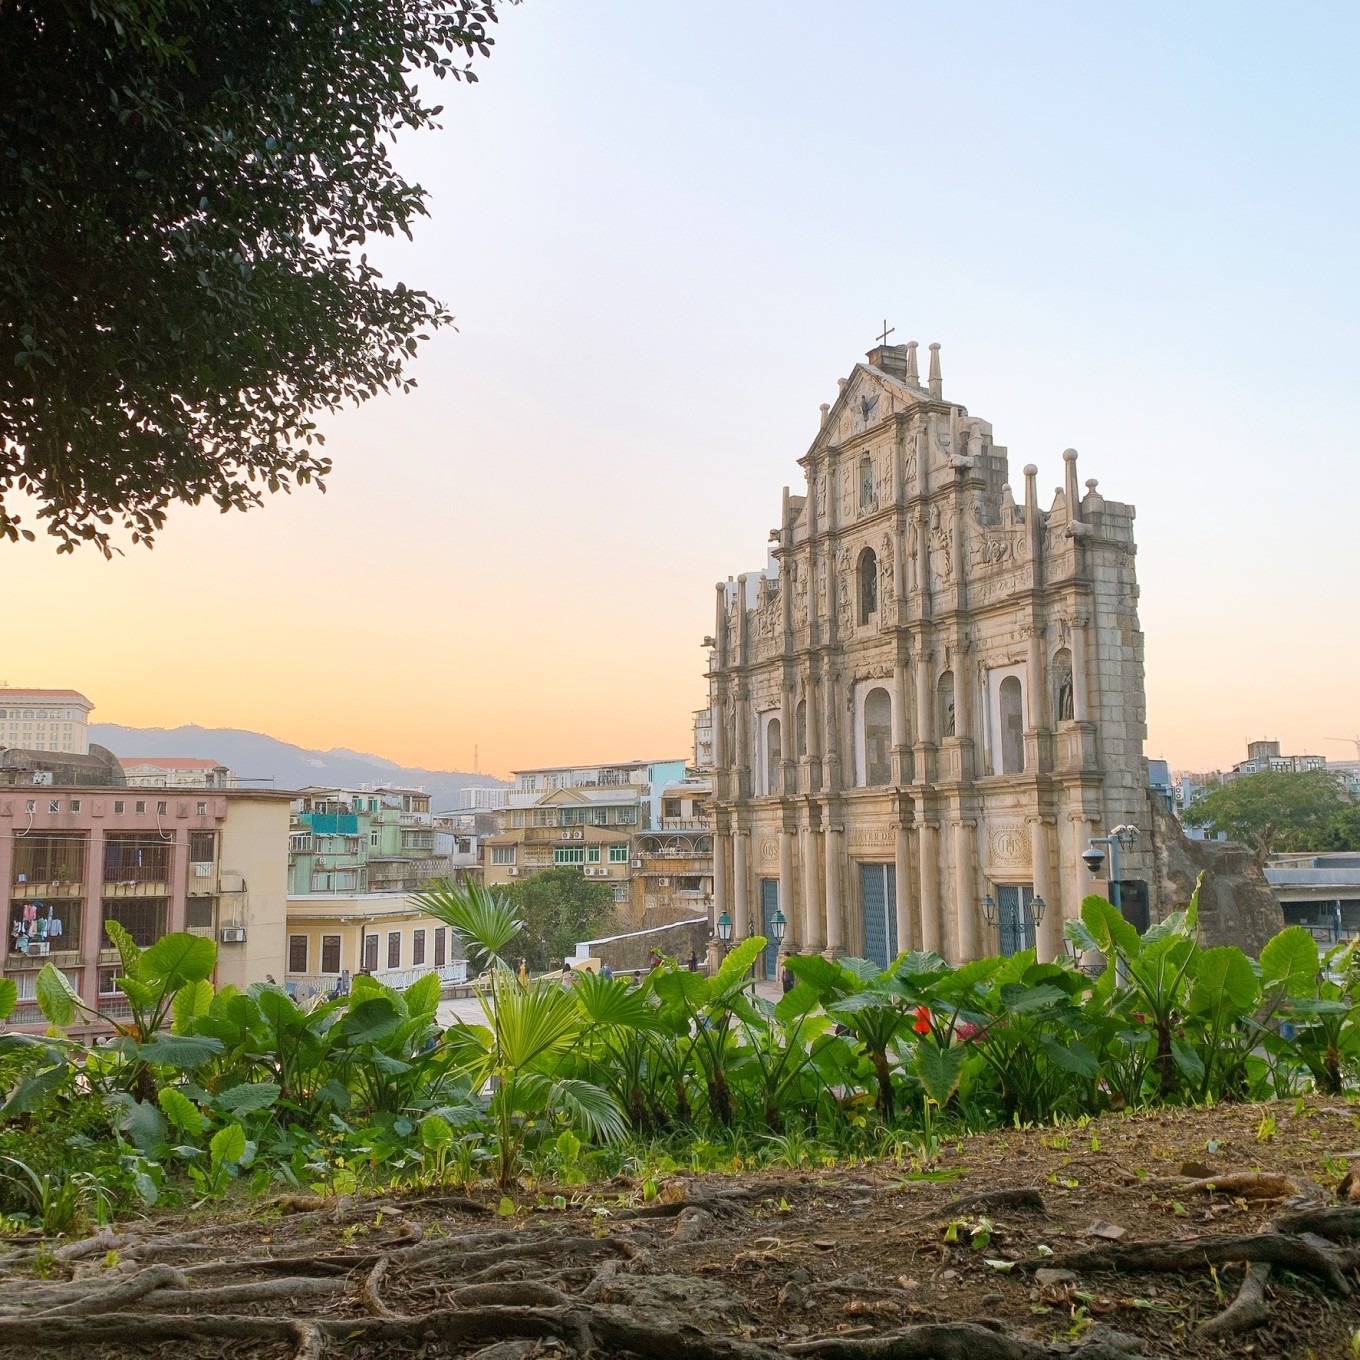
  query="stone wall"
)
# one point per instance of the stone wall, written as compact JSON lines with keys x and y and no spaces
{"x":1236,"y":905}
{"x":626,"y":953}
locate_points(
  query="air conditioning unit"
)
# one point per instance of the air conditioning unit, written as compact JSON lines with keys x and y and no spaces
{"x":39,"y":947}
{"x":637,"y":864}
{"x":578,"y":835}
{"x":232,"y":935}
{"x":591,"y":872}
{"x":513,"y":871}
{"x":203,"y":869}
{"x":664,"y":882}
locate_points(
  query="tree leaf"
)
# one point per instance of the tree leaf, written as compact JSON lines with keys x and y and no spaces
{"x":178,"y":958}
{"x":1291,"y":958}
{"x":250,"y":1095}
{"x":228,"y":1145}
{"x":1224,"y":981}
{"x":181,"y":1111}
{"x":57,"y":998}
{"x":1108,"y":927}
{"x":939,"y":1069}
{"x":191,"y":1001}
{"x":185,"y":1051}
{"x":9,"y":997}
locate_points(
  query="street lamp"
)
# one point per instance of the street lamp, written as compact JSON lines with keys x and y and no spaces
{"x":725,"y":931}
{"x":778,"y":925}
{"x":1037,"y":908}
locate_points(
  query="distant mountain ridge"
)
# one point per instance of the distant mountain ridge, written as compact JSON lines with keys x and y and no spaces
{"x":254,"y":756}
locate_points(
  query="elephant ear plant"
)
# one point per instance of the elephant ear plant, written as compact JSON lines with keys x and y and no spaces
{"x":520,"y":1056}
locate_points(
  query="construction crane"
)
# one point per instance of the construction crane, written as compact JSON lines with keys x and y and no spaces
{"x":1348,"y":741}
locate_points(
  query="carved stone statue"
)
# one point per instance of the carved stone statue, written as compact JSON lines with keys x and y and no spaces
{"x":1065,"y":709}
{"x":949,"y":718}
{"x":886,"y":591}
{"x":940,"y":546}
{"x":843,"y":578}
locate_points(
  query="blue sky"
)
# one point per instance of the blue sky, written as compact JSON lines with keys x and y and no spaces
{"x":666,"y":230}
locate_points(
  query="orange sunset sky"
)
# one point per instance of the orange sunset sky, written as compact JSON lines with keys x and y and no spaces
{"x":1130,"y":229}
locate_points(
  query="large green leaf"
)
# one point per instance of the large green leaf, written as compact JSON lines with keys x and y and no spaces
{"x":939,"y":1069}
{"x":422,"y":996}
{"x":1071,"y":1056}
{"x":1017,"y":999}
{"x":532,"y":1022}
{"x":825,"y":974}
{"x":33,"y":1091}
{"x":611,"y":1001}
{"x":143,"y":1123}
{"x":732,"y":975}
{"x":590,"y":1108}
{"x":370,"y":1021}
{"x":184,"y":1051}
{"x":800,"y":1000}
{"x":228,"y":1145}
{"x":191,"y":1001}
{"x":250,"y":1095}
{"x":182,"y":1112}
{"x":1224,"y":982}
{"x":1290,"y":958}
{"x":129,"y":955}
{"x":9,"y":997}
{"x":1108,"y":927}
{"x":56,"y":996}
{"x":178,"y":958}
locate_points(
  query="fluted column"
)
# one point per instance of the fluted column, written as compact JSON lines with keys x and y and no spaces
{"x":786,"y":889}
{"x":741,"y":915}
{"x":928,"y":848}
{"x":901,"y":746}
{"x":902,"y":870}
{"x":720,"y":851}
{"x":1081,"y":703}
{"x":1049,"y":932}
{"x":965,"y":905}
{"x":814,"y":937}
{"x":835,"y":924}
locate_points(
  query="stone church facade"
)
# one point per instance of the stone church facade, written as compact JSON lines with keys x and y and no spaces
{"x":933,"y":694}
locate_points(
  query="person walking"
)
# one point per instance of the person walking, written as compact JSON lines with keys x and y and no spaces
{"x":787,"y":981}
{"x":522,"y":973}
{"x":693,"y":961}
{"x":566,"y":973}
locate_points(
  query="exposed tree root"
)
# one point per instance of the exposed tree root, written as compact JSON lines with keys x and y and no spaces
{"x":82,"y":1301}
{"x":963,"y":1341}
{"x":1021,"y":1197}
{"x":1281,"y":1249}
{"x":369,"y":1294}
{"x":1243,"y":1185}
{"x":1249,"y":1309}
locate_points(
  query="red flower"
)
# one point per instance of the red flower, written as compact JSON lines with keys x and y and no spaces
{"x":922,"y":1025}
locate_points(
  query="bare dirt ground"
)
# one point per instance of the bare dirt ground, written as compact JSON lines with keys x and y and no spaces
{"x":1183,"y":1232}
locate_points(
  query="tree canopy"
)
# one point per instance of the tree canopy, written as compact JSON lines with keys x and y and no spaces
{"x":186,"y":191}
{"x":1273,"y":810}
{"x":559,"y":908}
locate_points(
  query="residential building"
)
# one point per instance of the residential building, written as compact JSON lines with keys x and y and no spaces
{"x":355,"y":859}
{"x":672,"y":862}
{"x":579,"y":816}
{"x":176,"y":772}
{"x":933,"y":696}
{"x":703,"y":739}
{"x":482,"y":798}
{"x":210,"y":862}
{"x":1266,"y":755}
{"x":45,"y":719}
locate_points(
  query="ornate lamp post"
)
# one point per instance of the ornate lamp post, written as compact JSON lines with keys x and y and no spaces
{"x":725,"y":931}
{"x":992,"y":916}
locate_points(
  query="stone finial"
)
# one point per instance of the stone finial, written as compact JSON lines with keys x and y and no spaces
{"x":1070,"y":480}
{"x":842,"y":383}
{"x":913,"y":373}
{"x":825,"y":410}
{"x":1030,"y":471}
{"x":936,"y":382}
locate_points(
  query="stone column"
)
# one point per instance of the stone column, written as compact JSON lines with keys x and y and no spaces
{"x":902,"y":870}
{"x":835,"y":925}
{"x":1049,"y":932}
{"x":1037,"y":681}
{"x":965,"y":904}
{"x":788,"y":767}
{"x":814,"y":937}
{"x":741,"y":917}
{"x":816,"y":774}
{"x":925,"y":693}
{"x":741,"y":744}
{"x":928,"y":846}
{"x":901,"y":747}
{"x":720,"y":850}
{"x":831,"y":769}
{"x":786,"y":889}
{"x":1080,"y":675}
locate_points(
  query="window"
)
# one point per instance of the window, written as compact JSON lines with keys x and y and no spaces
{"x":417,"y":948}
{"x":569,"y":854}
{"x":440,"y":947}
{"x":202,"y":846}
{"x":773,"y":754}
{"x":330,"y":953}
{"x":1012,"y":727}
{"x":118,"y":806}
{"x":31,"y":805}
{"x":140,"y":808}
{"x":502,"y":854}
{"x":370,"y":953}
{"x":108,"y":982}
{"x":670,"y":807}
{"x":162,"y":809}
{"x":618,"y":854}
{"x":198,"y":912}
{"x":375,"y":838}
{"x":142,"y":917}
{"x":877,"y":737}
{"x":625,"y":816}
{"x":394,"y":949}
{"x":620,"y":892}
{"x":75,"y":804}
{"x":54,"y":805}
{"x":592,"y":854}
{"x":868,"y":585}
{"x":203,"y":809}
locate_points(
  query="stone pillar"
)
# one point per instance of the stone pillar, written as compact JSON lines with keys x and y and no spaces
{"x":831,"y":770}
{"x":786,"y":889}
{"x":741,"y":916}
{"x":835,"y":924}
{"x":902,"y":869}
{"x":901,"y":747}
{"x":1049,"y":933}
{"x":741,"y":745}
{"x":720,"y":849}
{"x":788,"y":739}
{"x":925,"y":693}
{"x":814,"y":937}
{"x":932,"y":928}
{"x":1080,"y":675}
{"x":965,"y":903}
{"x":1037,"y":681}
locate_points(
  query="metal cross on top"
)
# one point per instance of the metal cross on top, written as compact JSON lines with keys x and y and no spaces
{"x":887,"y":331}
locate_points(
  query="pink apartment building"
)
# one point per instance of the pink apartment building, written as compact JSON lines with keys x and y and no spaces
{"x":211,"y":861}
